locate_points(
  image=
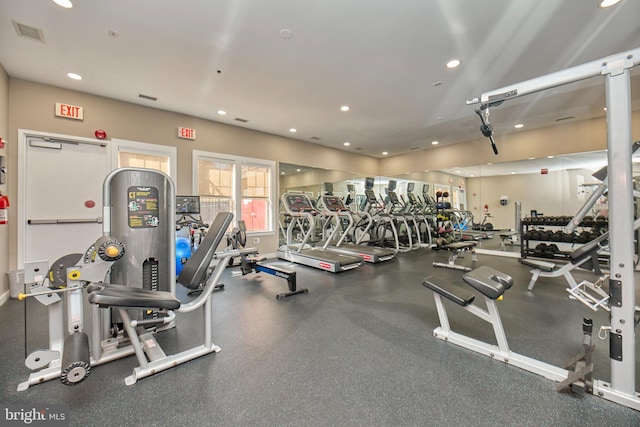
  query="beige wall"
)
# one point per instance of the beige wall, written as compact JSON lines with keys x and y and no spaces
{"x":32,"y":108}
{"x":4,"y":133}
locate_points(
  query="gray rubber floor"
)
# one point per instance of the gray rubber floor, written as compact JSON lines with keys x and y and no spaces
{"x":357,"y":350}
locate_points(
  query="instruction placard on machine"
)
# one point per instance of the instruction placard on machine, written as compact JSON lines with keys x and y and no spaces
{"x":143,"y":207}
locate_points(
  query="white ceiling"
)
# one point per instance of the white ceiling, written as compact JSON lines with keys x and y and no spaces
{"x":385,"y":59}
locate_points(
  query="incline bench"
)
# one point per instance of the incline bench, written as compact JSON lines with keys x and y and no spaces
{"x":586,"y":257}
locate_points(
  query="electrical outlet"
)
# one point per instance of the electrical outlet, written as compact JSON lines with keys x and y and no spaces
{"x":256,"y":240}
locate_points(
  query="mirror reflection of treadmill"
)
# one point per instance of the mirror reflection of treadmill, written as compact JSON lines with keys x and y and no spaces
{"x":300,"y":208}
{"x":333,"y":205}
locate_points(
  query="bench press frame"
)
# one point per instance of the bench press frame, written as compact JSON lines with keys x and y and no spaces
{"x":616,"y":71}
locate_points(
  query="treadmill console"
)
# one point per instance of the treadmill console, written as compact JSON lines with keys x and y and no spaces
{"x":298,"y":203}
{"x":333,"y":203}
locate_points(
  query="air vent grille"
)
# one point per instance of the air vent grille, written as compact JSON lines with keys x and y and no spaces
{"x":147,"y":97}
{"x":29,"y":32}
{"x":240,"y":119}
{"x":315,"y":138}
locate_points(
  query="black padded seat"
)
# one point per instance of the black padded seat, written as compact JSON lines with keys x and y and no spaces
{"x":588,"y":249}
{"x":541,"y":265}
{"x":109,"y":295}
{"x":459,"y":245}
{"x":449,"y":290}
{"x":490,"y":282}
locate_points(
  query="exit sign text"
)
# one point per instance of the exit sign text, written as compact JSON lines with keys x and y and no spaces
{"x":186,"y":133}
{"x":69,"y":111}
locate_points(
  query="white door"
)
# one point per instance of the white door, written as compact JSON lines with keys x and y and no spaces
{"x":62,"y":196}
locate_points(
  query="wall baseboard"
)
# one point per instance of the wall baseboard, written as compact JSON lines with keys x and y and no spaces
{"x":5,"y":297}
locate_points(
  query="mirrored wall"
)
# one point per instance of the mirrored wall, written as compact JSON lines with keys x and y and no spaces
{"x":551,"y":186}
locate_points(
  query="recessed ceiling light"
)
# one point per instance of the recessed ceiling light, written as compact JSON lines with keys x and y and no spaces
{"x":471,"y":176}
{"x":286,"y":33}
{"x":64,"y":3}
{"x":222,"y":112}
{"x":434,"y":143}
{"x":282,"y":173}
{"x":513,"y":173}
{"x":453,"y":63}
{"x":347,"y":143}
{"x":344,"y":108}
{"x":293,"y":130}
{"x":74,"y":76}
{"x":608,"y":3}
{"x":532,"y":158}
{"x":518,"y":126}
{"x":384,"y":153}
{"x":550,"y":157}
{"x":298,"y":170}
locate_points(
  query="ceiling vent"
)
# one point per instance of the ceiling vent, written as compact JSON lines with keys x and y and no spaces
{"x":29,"y":32}
{"x":565,"y":118}
{"x":147,"y":97}
{"x":315,"y":138}
{"x":239,"y":119}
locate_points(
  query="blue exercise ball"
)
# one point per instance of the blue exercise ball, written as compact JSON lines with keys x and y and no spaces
{"x":183,"y":252}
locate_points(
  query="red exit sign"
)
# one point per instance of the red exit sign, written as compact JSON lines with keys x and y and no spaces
{"x":69,"y":111}
{"x":186,"y":133}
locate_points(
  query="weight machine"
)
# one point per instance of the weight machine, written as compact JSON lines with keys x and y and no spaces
{"x":128,"y":277}
{"x":616,"y":71}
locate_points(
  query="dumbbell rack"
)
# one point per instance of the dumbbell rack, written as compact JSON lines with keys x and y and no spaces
{"x":549,"y":230}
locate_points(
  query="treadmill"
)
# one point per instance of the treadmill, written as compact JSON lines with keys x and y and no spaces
{"x":335,"y":208}
{"x":303,"y":215}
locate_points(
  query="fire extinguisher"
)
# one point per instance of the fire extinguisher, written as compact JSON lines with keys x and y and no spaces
{"x":486,"y":208}
{"x":4,"y":212}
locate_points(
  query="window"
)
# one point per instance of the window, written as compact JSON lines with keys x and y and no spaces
{"x":144,"y":155}
{"x":148,"y":161}
{"x":215,"y":187}
{"x":242,"y":186}
{"x":255,"y":197}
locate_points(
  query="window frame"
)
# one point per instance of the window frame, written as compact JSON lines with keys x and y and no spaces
{"x":237,"y":196}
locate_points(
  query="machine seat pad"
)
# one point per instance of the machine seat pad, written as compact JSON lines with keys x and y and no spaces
{"x":588,"y":249}
{"x":449,"y":290}
{"x":457,"y":246}
{"x":540,"y":265}
{"x":110,"y":295}
{"x":490,"y":282}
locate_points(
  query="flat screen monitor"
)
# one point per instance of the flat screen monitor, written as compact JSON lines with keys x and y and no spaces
{"x":392,"y":185}
{"x":328,"y":188}
{"x":187,"y":205}
{"x":368,"y":183}
{"x":410,"y":187}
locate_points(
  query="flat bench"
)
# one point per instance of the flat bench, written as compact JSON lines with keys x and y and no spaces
{"x":457,"y":248}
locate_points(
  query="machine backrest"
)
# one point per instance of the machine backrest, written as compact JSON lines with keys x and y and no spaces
{"x":194,"y":272}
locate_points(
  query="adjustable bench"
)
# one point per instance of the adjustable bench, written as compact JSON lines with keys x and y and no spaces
{"x":492,"y":284}
{"x":457,"y":249}
{"x":586,"y":257}
{"x":196,"y":273}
